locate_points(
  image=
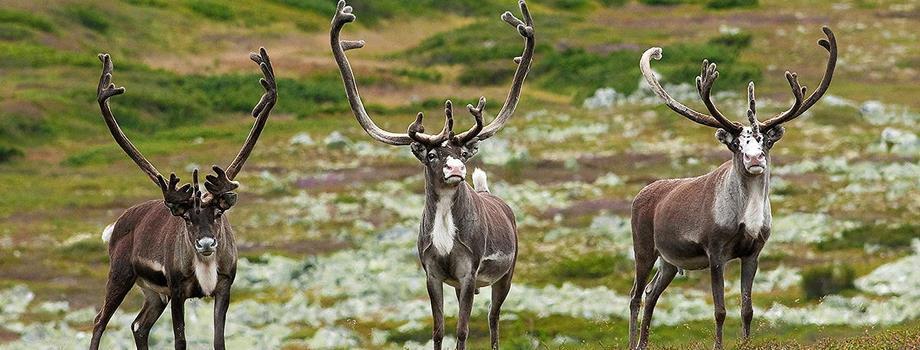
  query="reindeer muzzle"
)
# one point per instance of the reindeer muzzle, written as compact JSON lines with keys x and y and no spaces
{"x":206,"y":246}
{"x":454,"y":171}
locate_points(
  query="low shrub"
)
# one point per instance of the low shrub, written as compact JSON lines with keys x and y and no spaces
{"x":885,"y":236}
{"x":148,"y":3}
{"x":28,"y":19}
{"x":727,"y":4}
{"x":89,"y":17}
{"x":820,"y":281}
{"x":211,"y":9}
{"x":14,"y":31}
{"x":738,"y":40}
{"x":570,"y":4}
{"x":7,"y":153}
{"x":613,"y":3}
{"x":662,"y":2}
{"x":470,"y":44}
{"x":590,"y":266}
{"x":487,"y":74}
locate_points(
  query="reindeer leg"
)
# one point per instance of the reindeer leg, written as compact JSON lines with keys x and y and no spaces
{"x":643,"y":268}
{"x":499,"y":292}
{"x":178,"y":319}
{"x":436,"y":295}
{"x":221,"y":304}
{"x":716,"y":269}
{"x":748,"y":271}
{"x":662,"y":279}
{"x":153,"y":307}
{"x":121,"y":279}
{"x":465,"y":298}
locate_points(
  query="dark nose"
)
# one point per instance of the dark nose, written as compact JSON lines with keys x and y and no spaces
{"x":206,"y":244}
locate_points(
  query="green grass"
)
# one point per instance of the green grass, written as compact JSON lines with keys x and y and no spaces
{"x":211,"y":9}
{"x":90,"y":17}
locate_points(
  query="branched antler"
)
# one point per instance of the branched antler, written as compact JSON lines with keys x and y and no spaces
{"x":526,"y":29}
{"x":473,"y":132}
{"x":704,"y":82}
{"x":219,"y":183}
{"x":416,"y":129}
{"x":708,"y":75}
{"x":220,"y":187}
{"x":344,"y":15}
{"x":261,"y":111}
{"x":104,"y":91}
{"x":178,"y":200}
{"x":800,"y":106}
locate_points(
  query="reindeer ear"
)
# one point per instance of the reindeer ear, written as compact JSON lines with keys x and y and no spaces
{"x":726,"y":138}
{"x":226,"y":200}
{"x":471,"y":148}
{"x":418,"y":150}
{"x":772,"y":135}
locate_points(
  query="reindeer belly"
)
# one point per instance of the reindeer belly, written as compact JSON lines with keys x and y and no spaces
{"x":151,"y":276}
{"x":684,"y":254}
{"x":493,"y":267}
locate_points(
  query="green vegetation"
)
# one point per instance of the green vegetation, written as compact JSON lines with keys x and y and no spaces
{"x":211,"y":9}
{"x":26,"y":19}
{"x":89,"y":17}
{"x":883,"y":236}
{"x":588,"y":266}
{"x":8,"y":153}
{"x":820,"y":281}
{"x":662,"y":2}
{"x":727,"y":4}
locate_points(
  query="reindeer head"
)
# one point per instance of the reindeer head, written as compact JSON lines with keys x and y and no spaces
{"x":201,"y":212}
{"x":750,"y":144}
{"x":444,"y":154}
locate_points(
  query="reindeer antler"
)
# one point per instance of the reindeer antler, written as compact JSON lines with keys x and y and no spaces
{"x":261,"y":111}
{"x":219,"y":186}
{"x":106,"y":90}
{"x":344,"y":15}
{"x":704,"y":82}
{"x":416,"y":129}
{"x":526,"y":30}
{"x":708,"y":75}
{"x":800,"y":106}
{"x":470,"y":134}
{"x":178,"y":200}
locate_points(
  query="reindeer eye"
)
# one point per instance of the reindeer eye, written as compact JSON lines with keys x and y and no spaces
{"x":465,"y":154}
{"x":432,"y":156}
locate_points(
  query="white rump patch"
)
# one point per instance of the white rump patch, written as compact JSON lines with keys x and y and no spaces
{"x":443,"y":231}
{"x":107,"y":233}
{"x":480,"y":181}
{"x":206,"y":273}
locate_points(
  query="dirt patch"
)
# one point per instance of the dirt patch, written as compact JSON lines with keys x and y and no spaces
{"x":7,"y":336}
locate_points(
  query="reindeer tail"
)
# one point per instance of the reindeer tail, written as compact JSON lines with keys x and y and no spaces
{"x":107,"y":233}
{"x":480,"y":182}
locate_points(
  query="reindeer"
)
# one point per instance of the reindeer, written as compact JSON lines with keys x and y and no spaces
{"x":705,"y":221}
{"x":468,"y":236}
{"x":182,"y":246}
